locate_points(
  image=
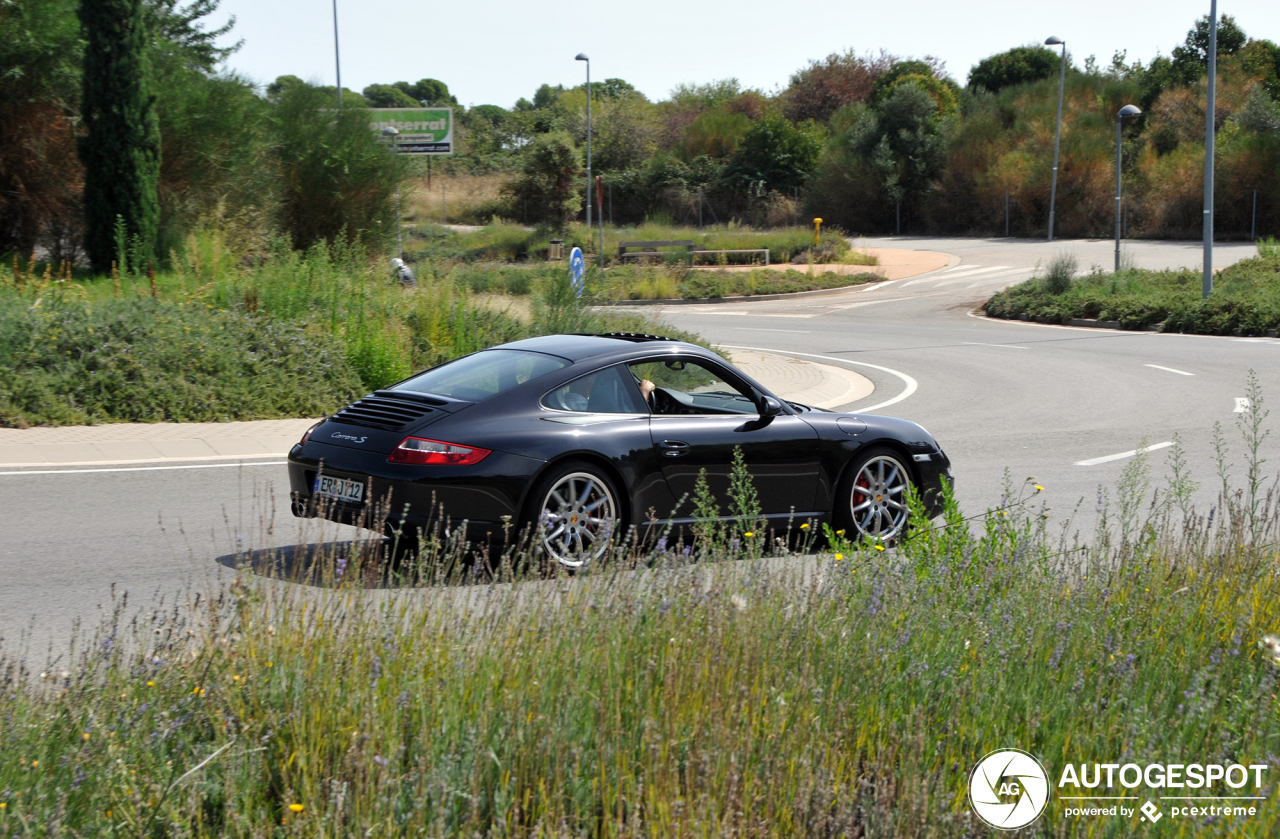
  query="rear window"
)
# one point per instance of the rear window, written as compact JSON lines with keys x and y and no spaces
{"x":481,"y":375}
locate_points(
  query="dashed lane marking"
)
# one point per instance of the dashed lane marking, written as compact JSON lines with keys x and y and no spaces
{"x":1001,"y":346}
{"x":1122,"y":455}
{"x":911,"y":384}
{"x":1169,"y":369}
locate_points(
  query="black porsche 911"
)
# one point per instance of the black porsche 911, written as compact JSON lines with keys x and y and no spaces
{"x":578,"y":439}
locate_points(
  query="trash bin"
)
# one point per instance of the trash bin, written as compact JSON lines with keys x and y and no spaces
{"x":556,"y":250}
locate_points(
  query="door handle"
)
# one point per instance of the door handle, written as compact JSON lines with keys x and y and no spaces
{"x":674,"y":448}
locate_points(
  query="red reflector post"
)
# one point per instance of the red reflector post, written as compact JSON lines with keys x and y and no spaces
{"x":422,"y":452}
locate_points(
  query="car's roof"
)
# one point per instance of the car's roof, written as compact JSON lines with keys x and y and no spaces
{"x":579,"y":347}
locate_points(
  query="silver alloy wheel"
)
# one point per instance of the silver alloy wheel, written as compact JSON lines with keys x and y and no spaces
{"x":577,"y":520}
{"x":879,"y":498}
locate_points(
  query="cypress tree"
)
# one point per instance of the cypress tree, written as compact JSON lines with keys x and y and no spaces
{"x":121,"y":147}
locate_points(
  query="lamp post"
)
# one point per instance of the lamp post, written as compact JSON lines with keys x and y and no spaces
{"x":1121,"y":115}
{"x":390,"y":131}
{"x":582,"y":56}
{"x":1054,"y":41}
{"x":1206,"y":282}
{"x":337,"y":63}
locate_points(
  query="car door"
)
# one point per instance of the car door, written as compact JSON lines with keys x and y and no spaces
{"x":701,"y":411}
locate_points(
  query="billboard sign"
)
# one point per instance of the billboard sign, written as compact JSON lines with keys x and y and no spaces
{"x":422,"y":130}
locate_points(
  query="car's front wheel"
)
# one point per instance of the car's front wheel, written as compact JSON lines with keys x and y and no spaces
{"x":575,"y":514}
{"x":873,"y":499}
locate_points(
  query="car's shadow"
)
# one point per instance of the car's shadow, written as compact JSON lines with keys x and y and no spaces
{"x":371,"y":564}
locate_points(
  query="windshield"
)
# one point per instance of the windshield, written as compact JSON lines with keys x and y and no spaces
{"x":481,"y":375}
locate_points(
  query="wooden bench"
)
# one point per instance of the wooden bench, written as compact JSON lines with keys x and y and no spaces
{"x":687,"y":244}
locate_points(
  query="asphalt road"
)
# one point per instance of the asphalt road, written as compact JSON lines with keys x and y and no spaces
{"x":1036,"y":400}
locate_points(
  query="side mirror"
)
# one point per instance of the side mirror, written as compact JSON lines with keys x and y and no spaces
{"x":770,"y":407}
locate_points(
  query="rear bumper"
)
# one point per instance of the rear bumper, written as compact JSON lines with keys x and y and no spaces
{"x":483,"y":500}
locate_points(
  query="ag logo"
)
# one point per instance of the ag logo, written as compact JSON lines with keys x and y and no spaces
{"x":1008,"y":789}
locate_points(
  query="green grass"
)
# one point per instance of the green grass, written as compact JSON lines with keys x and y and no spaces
{"x":220,"y":337}
{"x":837,"y":695}
{"x":652,"y":282}
{"x":508,"y":242}
{"x":1245,"y":300}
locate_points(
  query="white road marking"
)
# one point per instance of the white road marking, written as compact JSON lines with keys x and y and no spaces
{"x":1242,"y":405}
{"x":866,"y":303}
{"x":911,"y":384}
{"x":1272,"y":341}
{"x":1006,"y":279}
{"x":1095,"y":461}
{"x":1001,"y":346}
{"x":1169,"y":370}
{"x":145,"y":468}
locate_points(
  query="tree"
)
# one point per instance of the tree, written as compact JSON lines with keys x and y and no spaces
{"x":880,"y":87}
{"x":775,"y":155}
{"x":1019,"y":65}
{"x":121,"y":146}
{"x":551,"y":184}
{"x":177,"y":31}
{"x":40,"y":55}
{"x":826,"y":86}
{"x":386,"y":96}
{"x":428,"y":92}
{"x":1191,"y":58}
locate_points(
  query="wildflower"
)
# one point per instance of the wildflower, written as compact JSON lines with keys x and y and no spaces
{"x":380,"y":760}
{"x":3,"y":804}
{"x":34,"y":764}
{"x":839,"y":532}
{"x":297,"y":808}
{"x":966,"y":643}
{"x":839,"y":557}
{"x":879,"y":547}
{"x":804,"y":526}
{"x":1039,"y":488}
{"x":84,"y":736}
{"x":739,"y":602}
{"x":151,"y":684}
{"x":749,"y":534}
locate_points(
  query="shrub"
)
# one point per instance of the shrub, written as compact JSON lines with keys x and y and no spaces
{"x":1062,"y":270}
{"x":551,"y":184}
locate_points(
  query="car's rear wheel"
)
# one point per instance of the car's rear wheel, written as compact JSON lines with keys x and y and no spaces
{"x":873,"y":499}
{"x":575,"y":514}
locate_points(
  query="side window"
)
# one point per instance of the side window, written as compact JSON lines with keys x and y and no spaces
{"x":607,"y":391}
{"x":685,"y":386}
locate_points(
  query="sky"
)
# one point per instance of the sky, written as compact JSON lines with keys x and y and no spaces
{"x":497,"y":51}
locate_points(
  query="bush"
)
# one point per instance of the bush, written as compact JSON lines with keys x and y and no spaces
{"x":551,"y":184}
{"x":1245,"y":301}
{"x":1062,"y":270}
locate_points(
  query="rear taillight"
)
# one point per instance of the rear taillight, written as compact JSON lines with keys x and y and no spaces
{"x":422,"y":452}
{"x":306,"y":435}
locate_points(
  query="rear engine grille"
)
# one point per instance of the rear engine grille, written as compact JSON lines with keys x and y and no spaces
{"x":382,"y":411}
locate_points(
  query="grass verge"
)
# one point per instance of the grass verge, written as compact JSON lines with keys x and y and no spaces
{"x":222,"y":337}
{"x":1245,"y":299}
{"x":848,"y":694}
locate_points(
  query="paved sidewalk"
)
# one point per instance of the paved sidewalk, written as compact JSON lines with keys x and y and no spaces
{"x":137,"y":443}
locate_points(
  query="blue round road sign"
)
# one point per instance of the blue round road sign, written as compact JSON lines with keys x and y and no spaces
{"x":577,"y":266}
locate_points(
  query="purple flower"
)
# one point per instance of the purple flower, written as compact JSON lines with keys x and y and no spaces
{"x":662,"y":545}
{"x":380,"y":760}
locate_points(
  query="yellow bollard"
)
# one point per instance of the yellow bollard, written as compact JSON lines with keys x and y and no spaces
{"x":817,"y":228}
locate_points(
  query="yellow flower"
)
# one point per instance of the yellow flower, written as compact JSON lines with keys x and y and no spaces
{"x":1039,"y":488}
{"x":3,"y":804}
{"x":839,"y":557}
{"x":749,"y":534}
{"x":297,"y":808}
{"x":85,"y":736}
{"x":839,"y":532}
{"x":804,"y":526}
{"x":879,"y":547}
{"x":34,"y":764}
{"x":151,"y":684}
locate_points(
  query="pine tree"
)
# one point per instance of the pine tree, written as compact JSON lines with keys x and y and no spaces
{"x":121,"y":147}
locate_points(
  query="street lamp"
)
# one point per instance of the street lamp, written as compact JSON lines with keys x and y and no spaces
{"x":1206,"y":281}
{"x":582,"y":56}
{"x":390,"y":131}
{"x":1124,"y":113}
{"x":337,"y":62}
{"x":1054,"y":41}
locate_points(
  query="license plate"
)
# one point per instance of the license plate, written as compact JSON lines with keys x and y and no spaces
{"x":339,"y":489}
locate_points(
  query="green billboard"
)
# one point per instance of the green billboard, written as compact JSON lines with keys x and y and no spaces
{"x":422,"y":130}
